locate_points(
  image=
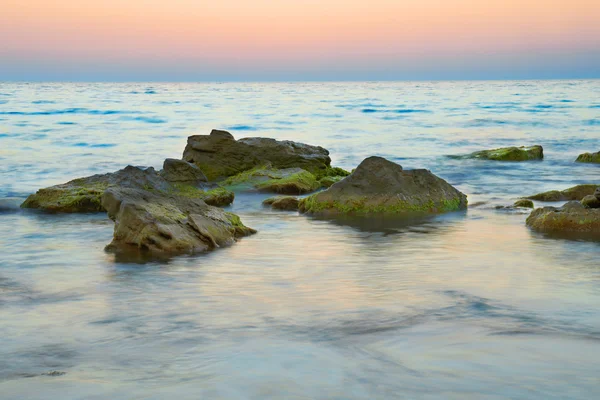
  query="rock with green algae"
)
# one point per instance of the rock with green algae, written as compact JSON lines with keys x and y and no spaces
{"x":219,"y":155}
{"x":593,"y":158}
{"x":381,"y":187}
{"x":574,"y":193}
{"x":179,"y":171}
{"x":524,"y":203}
{"x":84,"y":194}
{"x":522,"y":153}
{"x":285,"y":203}
{"x":157,"y":224}
{"x":572,"y":218}
{"x":266,"y":178}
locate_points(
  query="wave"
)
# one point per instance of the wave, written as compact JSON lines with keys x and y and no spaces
{"x":242,"y":128}
{"x":76,"y":110}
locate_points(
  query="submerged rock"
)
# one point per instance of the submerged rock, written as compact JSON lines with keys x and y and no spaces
{"x":285,"y":203}
{"x":524,"y":203}
{"x":574,"y":193}
{"x":269,"y":179}
{"x":508,"y":154}
{"x":589,"y":158}
{"x":572,"y":218}
{"x":163,"y":224}
{"x":379,"y":186}
{"x":10,"y":205}
{"x":219,"y":155}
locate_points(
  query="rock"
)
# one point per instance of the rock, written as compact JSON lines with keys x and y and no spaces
{"x":597,"y":193}
{"x":162,"y":224}
{"x":589,"y":158}
{"x":180,"y":171}
{"x":573,"y":193}
{"x":9,"y":205}
{"x":379,"y":186}
{"x":590,"y":201}
{"x":286,"y":203}
{"x":508,"y":154}
{"x":268,"y":179}
{"x":219,"y":155}
{"x":572,"y":218}
{"x":525,"y":203}
{"x":84,"y":194}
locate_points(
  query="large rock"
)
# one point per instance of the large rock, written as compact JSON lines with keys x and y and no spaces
{"x":84,"y":194}
{"x":379,"y":186}
{"x":508,"y":154}
{"x":589,"y":158}
{"x":162,"y":224}
{"x":572,"y":218}
{"x":219,"y":155}
{"x":574,"y":193}
{"x":268,"y":179}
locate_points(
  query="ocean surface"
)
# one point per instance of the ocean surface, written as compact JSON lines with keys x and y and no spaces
{"x":469,"y":305}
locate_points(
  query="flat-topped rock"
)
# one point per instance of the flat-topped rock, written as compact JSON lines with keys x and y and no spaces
{"x":219,"y":155}
{"x":268,"y":179}
{"x":522,"y":153}
{"x":379,"y":186}
{"x":573,"y":193}
{"x":593,"y":158}
{"x":179,"y":171}
{"x":285,"y":203}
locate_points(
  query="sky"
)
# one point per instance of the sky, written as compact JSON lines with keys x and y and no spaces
{"x":298,"y":40}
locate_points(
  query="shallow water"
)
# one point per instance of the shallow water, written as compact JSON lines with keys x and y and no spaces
{"x":462,"y":306}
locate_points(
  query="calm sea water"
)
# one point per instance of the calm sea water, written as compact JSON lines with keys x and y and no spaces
{"x":465,"y":306}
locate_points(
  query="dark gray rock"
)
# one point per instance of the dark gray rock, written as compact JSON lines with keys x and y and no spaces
{"x":179,"y":171}
{"x":590,"y":202}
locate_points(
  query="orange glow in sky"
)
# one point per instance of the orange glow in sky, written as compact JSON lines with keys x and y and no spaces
{"x":237,"y":38}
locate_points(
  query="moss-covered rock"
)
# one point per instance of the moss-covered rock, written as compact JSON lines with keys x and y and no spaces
{"x":574,"y":193}
{"x":572,"y":218}
{"x":219,"y":155}
{"x":77,"y":196}
{"x":507,"y":154}
{"x":269,"y":179}
{"x":589,"y":158}
{"x":524,"y":203}
{"x":216,"y":196}
{"x":328,"y":181}
{"x":286,"y":203}
{"x":379,"y":186}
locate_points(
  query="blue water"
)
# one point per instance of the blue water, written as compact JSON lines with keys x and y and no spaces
{"x":465,"y":306}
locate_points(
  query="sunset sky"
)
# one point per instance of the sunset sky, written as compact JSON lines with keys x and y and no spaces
{"x":258,"y":40}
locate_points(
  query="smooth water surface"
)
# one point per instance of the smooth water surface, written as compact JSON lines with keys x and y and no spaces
{"x":462,"y":306}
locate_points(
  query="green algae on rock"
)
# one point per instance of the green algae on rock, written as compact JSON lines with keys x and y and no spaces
{"x":379,"y":186}
{"x":285,"y":203}
{"x":593,"y":158}
{"x":522,"y":153}
{"x":266,"y":178}
{"x":524,"y":203}
{"x":219,"y":155}
{"x":574,"y":193}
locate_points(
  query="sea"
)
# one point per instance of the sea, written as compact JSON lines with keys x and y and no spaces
{"x":466,"y":305}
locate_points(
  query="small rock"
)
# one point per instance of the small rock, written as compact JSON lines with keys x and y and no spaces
{"x":589,"y":158}
{"x":54,"y":373}
{"x":507,"y":154}
{"x":182,"y":172}
{"x":573,"y":193}
{"x":590,"y":202}
{"x":525,"y":203}
{"x":285,"y":203}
